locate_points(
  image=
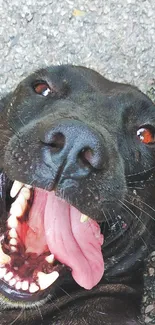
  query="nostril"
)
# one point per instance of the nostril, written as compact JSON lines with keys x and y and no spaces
{"x":85,"y":157}
{"x":57,"y":142}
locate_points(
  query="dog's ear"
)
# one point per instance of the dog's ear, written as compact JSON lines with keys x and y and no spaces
{"x":4,"y":101}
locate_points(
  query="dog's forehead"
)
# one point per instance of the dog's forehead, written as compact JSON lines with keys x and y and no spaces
{"x":87,"y":93}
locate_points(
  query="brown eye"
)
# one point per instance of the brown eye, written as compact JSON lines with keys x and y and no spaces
{"x":146,"y":134}
{"x":42,"y":88}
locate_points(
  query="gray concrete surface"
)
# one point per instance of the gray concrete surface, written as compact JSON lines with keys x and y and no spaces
{"x":116,"y":38}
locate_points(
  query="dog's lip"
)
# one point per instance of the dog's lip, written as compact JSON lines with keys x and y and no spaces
{"x":17,"y":296}
{"x":10,"y":291}
{"x":14,"y":294}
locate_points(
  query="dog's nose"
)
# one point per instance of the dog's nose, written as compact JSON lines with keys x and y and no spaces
{"x":74,"y":147}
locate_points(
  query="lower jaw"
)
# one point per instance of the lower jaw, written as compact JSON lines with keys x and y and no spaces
{"x":25,"y":278}
{"x":12,"y":299}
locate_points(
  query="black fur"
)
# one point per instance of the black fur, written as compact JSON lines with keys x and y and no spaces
{"x":113,"y":183}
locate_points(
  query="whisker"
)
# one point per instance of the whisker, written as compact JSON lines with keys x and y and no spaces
{"x":142,"y":172}
{"x":19,"y":315}
{"x":136,"y":188}
{"x":136,"y":206}
{"x":132,"y":212}
{"x":106,"y":218}
{"x":65,"y":292}
{"x":50,"y":299}
{"x":39,"y":311}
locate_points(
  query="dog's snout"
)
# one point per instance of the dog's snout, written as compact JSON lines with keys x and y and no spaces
{"x":76,"y":146}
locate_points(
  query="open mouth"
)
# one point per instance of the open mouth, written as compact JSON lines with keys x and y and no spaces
{"x":44,"y":234}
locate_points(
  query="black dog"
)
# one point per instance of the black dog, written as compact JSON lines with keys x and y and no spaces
{"x":86,"y":147}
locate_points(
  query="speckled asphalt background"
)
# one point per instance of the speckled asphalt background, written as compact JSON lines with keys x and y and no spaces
{"x":117,"y":38}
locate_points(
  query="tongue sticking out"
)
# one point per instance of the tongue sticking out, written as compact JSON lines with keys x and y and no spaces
{"x":75,"y":244}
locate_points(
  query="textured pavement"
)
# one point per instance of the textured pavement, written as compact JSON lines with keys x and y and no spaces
{"x":117,"y":38}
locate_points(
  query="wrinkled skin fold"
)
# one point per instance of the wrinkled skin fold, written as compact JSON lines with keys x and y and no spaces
{"x":71,"y":132}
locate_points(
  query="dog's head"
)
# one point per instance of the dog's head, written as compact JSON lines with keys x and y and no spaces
{"x":77,"y":168}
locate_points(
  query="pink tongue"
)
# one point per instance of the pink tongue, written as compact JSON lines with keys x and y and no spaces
{"x":55,"y":223}
{"x":76,"y":244}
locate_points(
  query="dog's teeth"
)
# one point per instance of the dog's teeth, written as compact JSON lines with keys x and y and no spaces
{"x":18,"y":285}
{"x":2,"y":272}
{"x":4,"y":258}
{"x":50,"y":258}
{"x":84,"y":218}
{"x":12,"y":282}
{"x":19,"y":206}
{"x":25,"y":285}
{"x":21,"y":199}
{"x":16,"y":209}
{"x":12,"y":222}
{"x":33,"y":288}
{"x":13,"y":249}
{"x":25,"y":191}
{"x":13,"y":241}
{"x":45,"y":280}
{"x":8,"y":276}
{"x":15,"y":188}
{"x":13,"y":233}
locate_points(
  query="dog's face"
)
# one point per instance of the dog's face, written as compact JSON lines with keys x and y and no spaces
{"x":73,"y":145}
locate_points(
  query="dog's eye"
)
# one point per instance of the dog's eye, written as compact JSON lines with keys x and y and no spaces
{"x":42,"y":88}
{"x":146,"y":134}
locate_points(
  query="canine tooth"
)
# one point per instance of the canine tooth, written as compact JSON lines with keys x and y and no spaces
{"x":50,"y":258}
{"x":13,"y":241}
{"x":84,"y":218}
{"x":2,"y":272}
{"x":8,"y":276}
{"x":33,"y":288}
{"x":45,"y":280}
{"x":25,"y":191}
{"x":12,"y":222}
{"x":18,"y":285}
{"x":12,"y":282}
{"x":4,"y":258}
{"x":15,"y":188}
{"x":25,"y":285}
{"x":13,"y":233}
